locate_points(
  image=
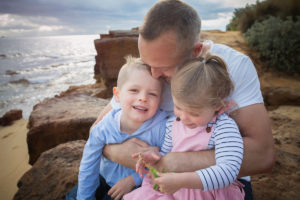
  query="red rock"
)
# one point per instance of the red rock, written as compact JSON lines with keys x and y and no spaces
{"x":64,"y":118}
{"x":275,"y":96}
{"x":10,"y":116}
{"x":111,"y":50}
{"x":54,"y":173}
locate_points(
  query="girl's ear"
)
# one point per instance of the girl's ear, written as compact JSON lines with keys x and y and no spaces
{"x":223,"y":105}
{"x":116,"y":94}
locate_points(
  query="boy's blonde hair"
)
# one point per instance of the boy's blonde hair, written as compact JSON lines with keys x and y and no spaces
{"x":202,"y":82}
{"x":132,"y":64}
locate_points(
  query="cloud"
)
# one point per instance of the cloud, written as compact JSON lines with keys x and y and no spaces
{"x":15,"y":24}
{"x":233,"y":3}
{"x":38,"y":17}
{"x":219,"y":23}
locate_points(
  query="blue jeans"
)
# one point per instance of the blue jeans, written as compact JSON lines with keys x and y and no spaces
{"x":101,"y":192}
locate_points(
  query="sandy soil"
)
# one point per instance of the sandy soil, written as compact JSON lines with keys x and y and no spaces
{"x":13,"y":157}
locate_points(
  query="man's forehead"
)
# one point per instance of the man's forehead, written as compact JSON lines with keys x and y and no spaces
{"x":162,"y":63}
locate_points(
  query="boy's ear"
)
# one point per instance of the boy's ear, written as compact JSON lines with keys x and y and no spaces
{"x":116,"y":94}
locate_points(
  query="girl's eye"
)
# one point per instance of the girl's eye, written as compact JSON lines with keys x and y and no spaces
{"x":194,"y":114}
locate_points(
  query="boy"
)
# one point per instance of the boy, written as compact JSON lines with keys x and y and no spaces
{"x":139,"y":95}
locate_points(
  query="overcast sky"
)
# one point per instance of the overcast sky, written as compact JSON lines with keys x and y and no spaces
{"x":65,"y":17}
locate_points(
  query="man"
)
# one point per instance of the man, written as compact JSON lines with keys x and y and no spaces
{"x":168,"y":37}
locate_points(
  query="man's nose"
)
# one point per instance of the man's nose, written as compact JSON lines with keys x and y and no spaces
{"x":156,"y":73}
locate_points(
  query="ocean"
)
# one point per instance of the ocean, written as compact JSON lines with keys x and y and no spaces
{"x":34,"y":68}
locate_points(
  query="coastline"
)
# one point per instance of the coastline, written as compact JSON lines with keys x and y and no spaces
{"x":13,"y":157}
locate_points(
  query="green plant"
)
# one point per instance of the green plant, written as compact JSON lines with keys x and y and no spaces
{"x":278,"y":42}
{"x":244,"y":18}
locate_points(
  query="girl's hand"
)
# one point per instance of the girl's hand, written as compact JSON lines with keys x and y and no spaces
{"x":146,"y":158}
{"x":121,"y":188}
{"x":167,"y":182}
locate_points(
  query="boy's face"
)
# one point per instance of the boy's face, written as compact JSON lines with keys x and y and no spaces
{"x":139,"y":96}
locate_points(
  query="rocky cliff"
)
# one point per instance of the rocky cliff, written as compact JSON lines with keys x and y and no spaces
{"x":111,"y":49}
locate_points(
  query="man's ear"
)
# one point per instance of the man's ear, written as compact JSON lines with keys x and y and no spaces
{"x":197,"y":49}
{"x":116,"y":94}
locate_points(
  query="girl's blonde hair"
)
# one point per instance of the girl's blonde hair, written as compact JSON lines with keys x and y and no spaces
{"x":202,"y":82}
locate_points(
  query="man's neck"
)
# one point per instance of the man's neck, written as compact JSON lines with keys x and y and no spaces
{"x":128,"y":126}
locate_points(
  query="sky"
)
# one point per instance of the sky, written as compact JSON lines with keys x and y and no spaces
{"x":70,"y":17}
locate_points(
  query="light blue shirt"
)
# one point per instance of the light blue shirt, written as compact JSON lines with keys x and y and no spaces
{"x":107,"y":131}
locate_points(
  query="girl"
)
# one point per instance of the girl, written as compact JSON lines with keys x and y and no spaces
{"x":200,"y":91}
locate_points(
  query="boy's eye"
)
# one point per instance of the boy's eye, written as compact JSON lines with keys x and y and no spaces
{"x":153,"y":94}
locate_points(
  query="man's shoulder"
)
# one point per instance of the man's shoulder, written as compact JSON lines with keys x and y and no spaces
{"x":226,"y":52}
{"x":237,"y":62}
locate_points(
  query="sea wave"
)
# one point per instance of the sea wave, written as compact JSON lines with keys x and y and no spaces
{"x":23,"y":81}
{"x":11,"y":72}
{"x":10,"y":55}
{"x":33,"y":69}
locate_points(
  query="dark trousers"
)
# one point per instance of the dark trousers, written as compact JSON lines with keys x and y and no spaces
{"x":101,"y":192}
{"x":247,"y":189}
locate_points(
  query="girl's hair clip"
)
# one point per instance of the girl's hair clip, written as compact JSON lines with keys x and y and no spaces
{"x":208,"y":129}
{"x":177,"y":119}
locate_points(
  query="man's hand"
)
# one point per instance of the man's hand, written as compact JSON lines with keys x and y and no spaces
{"x":121,"y":153}
{"x":122,"y":187}
{"x":146,"y":158}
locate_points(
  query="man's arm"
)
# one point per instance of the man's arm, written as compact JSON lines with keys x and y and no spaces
{"x":259,"y":152}
{"x":255,"y":127}
{"x":122,"y":153}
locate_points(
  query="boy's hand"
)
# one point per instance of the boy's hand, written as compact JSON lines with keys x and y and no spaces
{"x":121,"y":188}
{"x":146,"y":158}
{"x":167,"y":182}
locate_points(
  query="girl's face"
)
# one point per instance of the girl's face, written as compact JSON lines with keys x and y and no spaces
{"x":192,"y":118}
